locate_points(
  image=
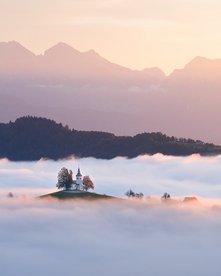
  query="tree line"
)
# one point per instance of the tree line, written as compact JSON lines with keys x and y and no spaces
{"x":31,"y":138}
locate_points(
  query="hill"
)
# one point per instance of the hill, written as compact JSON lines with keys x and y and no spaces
{"x":32,"y":138}
{"x":62,"y":195}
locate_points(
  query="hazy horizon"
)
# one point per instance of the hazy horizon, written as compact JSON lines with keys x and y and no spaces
{"x":149,"y":33}
{"x":87,"y":92}
{"x":147,"y":66}
{"x":93,"y":50}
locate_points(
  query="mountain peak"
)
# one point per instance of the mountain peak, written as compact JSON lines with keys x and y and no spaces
{"x":201,"y":65}
{"x":14,"y":49}
{"x":92,"y":55}
{"x":61,"y":48}
{"x":11,"y":43}
{"x":63,"y":45}
{"x":198,"y":61}
{"x":91,"y":52}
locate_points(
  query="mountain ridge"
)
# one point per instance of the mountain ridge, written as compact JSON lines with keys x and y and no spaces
{"x":63,"y":47}
{"x":88,"y":92}
{"x":54,"y":51}
{"x":13,"y":50}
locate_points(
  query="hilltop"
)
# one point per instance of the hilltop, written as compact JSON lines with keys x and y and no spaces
{"x":62,"y":195}
{"x":32,"y":138}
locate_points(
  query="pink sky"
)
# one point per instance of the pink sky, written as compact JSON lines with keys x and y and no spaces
{"x":136,"y":34}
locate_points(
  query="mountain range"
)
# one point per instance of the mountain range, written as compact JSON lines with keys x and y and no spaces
{"x":86,"y":91}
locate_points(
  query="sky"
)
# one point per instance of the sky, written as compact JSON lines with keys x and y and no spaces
{"x":136,"y":34}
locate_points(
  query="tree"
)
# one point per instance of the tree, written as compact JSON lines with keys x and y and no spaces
{"x":87,"y":183}
{"x":130,"y":193}
{"x":10,"y":195}
{"x":140,"y":195}
{"x":65,"y":179}
{"x":165,"y":196}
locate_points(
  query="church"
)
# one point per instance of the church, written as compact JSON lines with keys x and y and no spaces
{"x":78,"y":183}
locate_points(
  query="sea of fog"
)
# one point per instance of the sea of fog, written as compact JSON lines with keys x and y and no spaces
{"x":112,"y":238}
{"x":152,"y":175}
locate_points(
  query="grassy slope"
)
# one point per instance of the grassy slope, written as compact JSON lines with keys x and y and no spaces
{"x":83,"y":195}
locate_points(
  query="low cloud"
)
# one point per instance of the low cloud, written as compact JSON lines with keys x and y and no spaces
{"x":152,"y":175}
{"x":108,"y":238}
{"x":121,"y":238}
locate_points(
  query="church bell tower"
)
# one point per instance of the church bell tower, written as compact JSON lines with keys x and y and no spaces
{"x":79,"y":180}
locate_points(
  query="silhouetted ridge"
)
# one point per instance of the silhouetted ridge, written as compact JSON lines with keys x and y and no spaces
{"x":61,"y":49}
{"x":32,"y":138}
{"x":14,"y":49}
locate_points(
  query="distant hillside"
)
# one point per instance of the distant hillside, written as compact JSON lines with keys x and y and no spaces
{"x":31,"y":138}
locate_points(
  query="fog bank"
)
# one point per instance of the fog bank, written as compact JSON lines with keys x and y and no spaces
{"x":152,"y":175}
{"x":108,"y":238}
{"x":112,"y":238}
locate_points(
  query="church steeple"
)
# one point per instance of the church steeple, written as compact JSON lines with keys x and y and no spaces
{"x":79,"y":180}
{"x":79,"y":172}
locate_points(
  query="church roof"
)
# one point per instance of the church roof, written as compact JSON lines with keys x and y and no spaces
{"x":79,"y":172}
